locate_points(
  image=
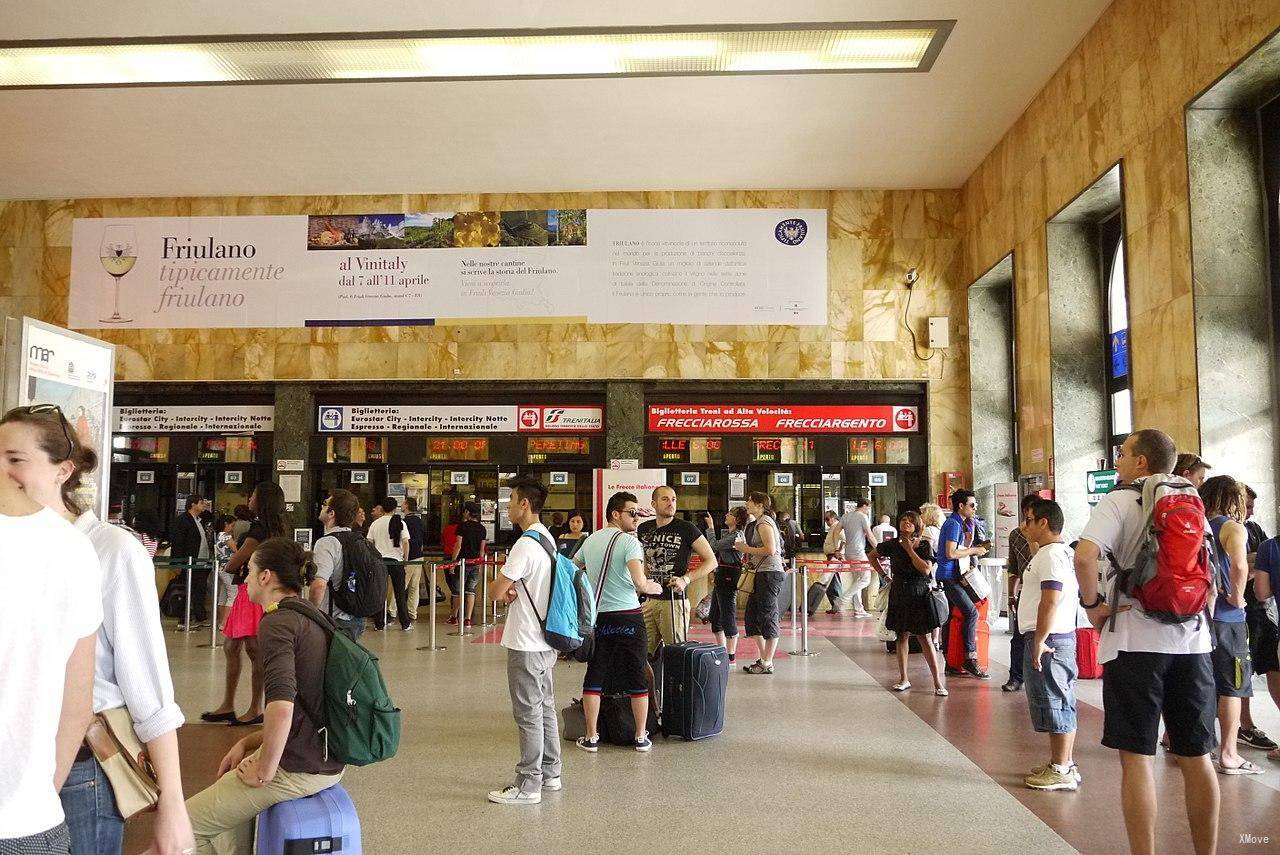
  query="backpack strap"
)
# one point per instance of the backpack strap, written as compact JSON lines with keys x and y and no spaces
{"x":604,"y":574}
{"x":294,"y":604}
{"x":551,"y":553}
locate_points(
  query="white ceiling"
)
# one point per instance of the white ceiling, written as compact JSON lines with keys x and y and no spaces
{"x":778,"y":131}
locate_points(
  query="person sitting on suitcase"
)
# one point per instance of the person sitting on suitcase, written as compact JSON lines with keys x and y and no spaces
{"x":1047,"y":619}
{"x":614,"y":561}
{"x":287,"y":759}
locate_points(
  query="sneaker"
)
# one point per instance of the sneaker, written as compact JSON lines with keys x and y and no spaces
{"x":513,"y":796}
{"x":552,"y":785}
{"x":452,"y":621}
{"x":1075,"y":771}
{"x":953,"y":672}
{"x":591,"y":745}
{"x":468,"y":625}
{"x":862,"y":614}
{"x":733,"y":657}
{"x":971,"y":667}
{"x":644,"y":743}
{"x":408,"y":628}
{"x":1255,"y":738}
{"x":1012,"y":686}
{"x":1049,"y":778}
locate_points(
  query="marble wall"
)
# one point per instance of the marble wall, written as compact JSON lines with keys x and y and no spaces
{"x":874,"y":237}
{"x":991,"y":380}
{"x":1120,"y":95}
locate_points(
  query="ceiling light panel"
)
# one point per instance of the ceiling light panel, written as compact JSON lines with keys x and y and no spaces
{"x":779,"y":48}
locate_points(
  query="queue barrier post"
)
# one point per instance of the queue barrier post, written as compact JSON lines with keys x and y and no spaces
{"x":186,"y":623}
{"x":485,"y":623}
{"x":431,"y":642}
{"x":795,"y":597}
{"x":803,"y":605}
{"x":213,"y":622}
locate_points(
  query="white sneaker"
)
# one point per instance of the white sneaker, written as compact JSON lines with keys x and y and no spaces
{"x":552,"y":785}
{"x":513,"y":796}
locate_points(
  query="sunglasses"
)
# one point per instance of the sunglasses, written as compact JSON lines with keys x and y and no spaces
{"x":41,"y":409}
{"x":632,"y":512}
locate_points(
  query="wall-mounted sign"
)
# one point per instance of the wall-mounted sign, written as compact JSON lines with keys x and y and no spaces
{"x":348,"y":418}
{"x":877,"y":479}
{"x":624,"y":463}
{"x":558,"y":479}
{"x":776,"y":418}
{"x":378,"y":268}
{"x":211,"y":419}
{"x":146,"y":476}
{"x":292,"y":486}
{"x":1119,"y":353}
{"x":737,"y":486}
{"x":303,"y":536}
{"x":1006,"y":516}
{"x":690,"y":479}
{"x":290,"y":465}
{"x":232,"y":476}
{"x":784,"y":479}
{"x":1099,"y":483}
{"x":359,"y":476}
{"x":460,"y":477}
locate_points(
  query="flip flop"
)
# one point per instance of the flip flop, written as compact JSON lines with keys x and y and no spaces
{"x":1245,"y":768}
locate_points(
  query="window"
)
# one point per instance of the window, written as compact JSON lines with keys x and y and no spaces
{"x":1116,"y":301}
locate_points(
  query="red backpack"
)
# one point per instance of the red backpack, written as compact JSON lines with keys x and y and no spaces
{"x":1176,"y":568}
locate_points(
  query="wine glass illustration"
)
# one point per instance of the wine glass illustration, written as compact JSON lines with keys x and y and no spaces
{"x":118,"y":253}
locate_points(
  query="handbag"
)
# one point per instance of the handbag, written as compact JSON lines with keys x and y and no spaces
{"x":587,"y":649}
{"x":977,"y":583}
{"x":939,"y":606}
{"x":124,"y":761}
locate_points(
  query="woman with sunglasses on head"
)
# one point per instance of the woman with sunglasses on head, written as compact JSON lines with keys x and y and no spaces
{"x":724,"y":592}
{"x":241,"y":628}
{"x":131,"y":669}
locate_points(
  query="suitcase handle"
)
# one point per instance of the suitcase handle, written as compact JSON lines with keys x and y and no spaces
{"x":313,"y":846}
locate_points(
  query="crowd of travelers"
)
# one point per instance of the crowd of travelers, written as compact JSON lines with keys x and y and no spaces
{"x":1178,"y":658}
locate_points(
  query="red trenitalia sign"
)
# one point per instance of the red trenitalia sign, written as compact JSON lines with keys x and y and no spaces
{"x":775,"y":418}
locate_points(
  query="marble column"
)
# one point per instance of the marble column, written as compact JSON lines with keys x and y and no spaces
{"x":295,"y":422}
{"x":624,"y":420}
{"x":991,"y":373}
{"x":1234,"y":349}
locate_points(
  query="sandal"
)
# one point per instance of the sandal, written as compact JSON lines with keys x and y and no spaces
{"x":900,"y":687}
{"x":758,"y":667}
{"x":941,"y":692}
{"x":1245,"y":768}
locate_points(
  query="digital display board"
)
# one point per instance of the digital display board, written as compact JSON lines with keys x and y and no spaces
{"x":473,"y":450}
{"x":545,"y":449}
{"x":869,"y":450}
{"x":694,"y":449}
{"x":784,"y":449}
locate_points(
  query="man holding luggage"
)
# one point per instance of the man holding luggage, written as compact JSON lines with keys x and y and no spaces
{"x":952,"y":551}
{"x":668,"y":542}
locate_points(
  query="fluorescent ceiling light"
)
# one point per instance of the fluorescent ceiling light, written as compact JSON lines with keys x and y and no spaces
{"x":481,"y":55}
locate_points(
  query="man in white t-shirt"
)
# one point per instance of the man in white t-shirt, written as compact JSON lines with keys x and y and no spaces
{"x":857,"y":536}
{"x":1047,"y":619}
{"x":53,"y":584}
{"x":525,"y":584}
{"x":1153,"y":669}
{"x":885,"y":530}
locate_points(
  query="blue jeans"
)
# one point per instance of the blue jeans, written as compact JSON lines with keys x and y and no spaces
{"x":1051,"y":691}
{"x":352,"y":628}
{"x":959,"y":598}
{"x":96,"y":825}
{"x":1016,"y":645}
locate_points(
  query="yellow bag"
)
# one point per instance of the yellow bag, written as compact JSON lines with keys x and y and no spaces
{"x":124,"y":760}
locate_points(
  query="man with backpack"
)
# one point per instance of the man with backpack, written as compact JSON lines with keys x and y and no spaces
{"x":1155,"y":627}
{"x":347,"y":564}
{"x":525,"y":584}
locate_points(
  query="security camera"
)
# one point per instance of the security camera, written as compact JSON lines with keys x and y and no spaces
{"x":913,"y":276}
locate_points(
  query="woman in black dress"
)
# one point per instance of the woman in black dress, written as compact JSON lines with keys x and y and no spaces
{"x":910,"y":600}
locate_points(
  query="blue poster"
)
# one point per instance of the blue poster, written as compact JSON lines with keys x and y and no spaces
{"x":1120,"y":354}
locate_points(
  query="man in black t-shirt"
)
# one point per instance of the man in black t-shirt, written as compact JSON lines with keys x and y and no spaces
{"x":468,"y":546}
{"x":668,"y":542}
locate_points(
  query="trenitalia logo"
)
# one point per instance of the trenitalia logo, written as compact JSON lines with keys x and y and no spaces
{"x":769,"y":418}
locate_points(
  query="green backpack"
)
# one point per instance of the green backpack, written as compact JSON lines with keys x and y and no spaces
{"x":361,"y":725}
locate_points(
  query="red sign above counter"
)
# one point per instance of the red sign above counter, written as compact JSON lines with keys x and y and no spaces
{"x":776,"y":418}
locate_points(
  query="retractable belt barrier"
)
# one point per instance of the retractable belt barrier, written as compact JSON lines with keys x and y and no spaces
{"x":164,"y":562}
{"x":486,"y":564}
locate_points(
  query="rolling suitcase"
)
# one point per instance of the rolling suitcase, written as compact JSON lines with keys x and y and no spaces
{"x":325,"y":822}
{"x":694,"y":677}
{"x":956,"y":653}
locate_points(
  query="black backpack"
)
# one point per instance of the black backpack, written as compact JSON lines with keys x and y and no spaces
{"x":362,"y":589}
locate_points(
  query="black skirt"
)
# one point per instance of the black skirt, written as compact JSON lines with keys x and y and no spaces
{"x":909,"y":607}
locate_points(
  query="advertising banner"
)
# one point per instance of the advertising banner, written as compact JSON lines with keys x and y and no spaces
{"x":76,"y":374}
{"x":394,"y":418}
{"x":1006,"y":516}
{"x":232,"y":419}
{"x":775,"y":418}
{"x":747,"y":266}
{"x":641,"y":482}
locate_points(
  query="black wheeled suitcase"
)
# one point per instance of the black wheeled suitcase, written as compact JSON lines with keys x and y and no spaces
{"x":694,"y":680}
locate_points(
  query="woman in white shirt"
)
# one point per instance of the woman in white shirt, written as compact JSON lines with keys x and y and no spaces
{"x":44,"y":455}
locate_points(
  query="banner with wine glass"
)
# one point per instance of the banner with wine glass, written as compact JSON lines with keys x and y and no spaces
{"x":742,"y":266}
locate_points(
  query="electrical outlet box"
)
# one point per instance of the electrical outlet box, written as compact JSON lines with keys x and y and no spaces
{"x":939,"y":333}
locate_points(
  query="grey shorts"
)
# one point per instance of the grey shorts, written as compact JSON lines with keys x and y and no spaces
{"x":1051,"y":691}
{"x":762,"y":605}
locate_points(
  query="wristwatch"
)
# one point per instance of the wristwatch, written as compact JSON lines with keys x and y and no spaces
{"x":1101,"y":598}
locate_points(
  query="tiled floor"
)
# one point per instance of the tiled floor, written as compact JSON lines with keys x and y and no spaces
{"x":819,"y":757}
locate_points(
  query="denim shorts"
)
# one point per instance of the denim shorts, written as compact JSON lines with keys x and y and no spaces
{"x":1051,"y":692}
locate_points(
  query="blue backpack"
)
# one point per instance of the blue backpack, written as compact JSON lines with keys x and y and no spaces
{"x":570,"y":602}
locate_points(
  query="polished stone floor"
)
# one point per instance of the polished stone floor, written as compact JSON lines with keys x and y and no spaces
{"x":819,"y":757}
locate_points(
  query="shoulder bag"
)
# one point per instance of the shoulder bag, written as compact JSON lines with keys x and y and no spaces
{"x":124,"y":761}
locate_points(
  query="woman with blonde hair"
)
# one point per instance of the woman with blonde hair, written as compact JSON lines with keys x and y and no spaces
{"x":931,"y":518}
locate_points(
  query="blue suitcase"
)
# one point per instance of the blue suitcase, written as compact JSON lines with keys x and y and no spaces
{"x":325,"y":822}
